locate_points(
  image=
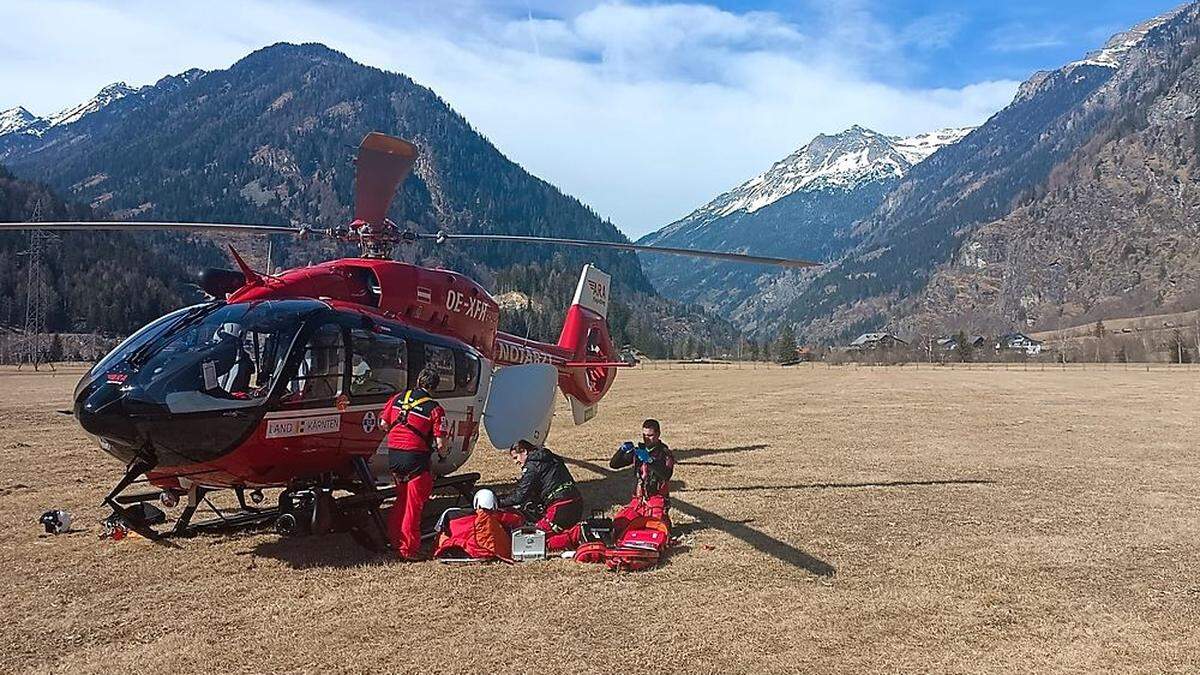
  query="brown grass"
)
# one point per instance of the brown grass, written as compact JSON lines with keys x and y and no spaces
{"x":977,"y":522}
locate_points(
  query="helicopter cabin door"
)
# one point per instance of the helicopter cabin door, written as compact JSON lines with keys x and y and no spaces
{"x":378,"y":370}
{"x":309,"y":423}
{"x":459,"y":392}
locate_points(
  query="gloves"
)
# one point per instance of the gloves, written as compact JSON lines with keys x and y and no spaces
{"x":643,"y":455}
{"x":627,"y":447}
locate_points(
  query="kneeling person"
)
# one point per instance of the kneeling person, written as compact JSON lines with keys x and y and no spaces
{"x":653,"y":464}
{"x":546,"y":483}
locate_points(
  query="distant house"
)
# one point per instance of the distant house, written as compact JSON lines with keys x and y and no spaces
{"x":1019,"y":342}
{"x":950,"y":343}
{"x":630,"y":354}
{"x":803,"y":355}
{"x":872,"y":341}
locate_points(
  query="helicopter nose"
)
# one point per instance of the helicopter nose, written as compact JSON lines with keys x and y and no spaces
{"x":101,"y":412}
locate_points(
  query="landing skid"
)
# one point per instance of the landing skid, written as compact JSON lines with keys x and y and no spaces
{"x":305,"y":510}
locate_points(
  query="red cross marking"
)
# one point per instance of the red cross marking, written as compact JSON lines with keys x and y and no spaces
{"x":466,"y":428}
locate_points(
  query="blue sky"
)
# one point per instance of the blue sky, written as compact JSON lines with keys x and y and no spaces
{"x":642,"y":110}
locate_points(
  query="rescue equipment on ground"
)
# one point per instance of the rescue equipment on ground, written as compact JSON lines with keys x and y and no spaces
{"x":482,"y":535}
{"x":117,"y":526}
{"x":528,"y":544}
{"x":626,"y":559}
{"x":645,"y":538}
{"x":597,"y":528}
{"x":591,"y":552}
{"x":56,"y":521}
{"x":640,"y":545}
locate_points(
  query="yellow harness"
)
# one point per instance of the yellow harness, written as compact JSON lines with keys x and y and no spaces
{"x":408,"y":405}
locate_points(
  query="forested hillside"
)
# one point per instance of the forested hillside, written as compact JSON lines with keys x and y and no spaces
{"x":272,"y":139}
{"x":110,"y":282}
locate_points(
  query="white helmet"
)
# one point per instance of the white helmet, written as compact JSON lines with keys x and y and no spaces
{"x":485,"y":499}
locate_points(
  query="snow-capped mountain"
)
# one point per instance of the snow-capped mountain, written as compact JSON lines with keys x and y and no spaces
{"x":21,"y":131}
{"x":840,"y":162}
{"x":803,"y":206}
{"x":20,"y":121}
{"x":107,"y":95}
{"x":17,"y":119}
{"x":1113,"y":52}
{"x":917,"y":148}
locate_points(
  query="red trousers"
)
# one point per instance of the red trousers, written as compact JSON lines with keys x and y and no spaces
{"x":655,"y":506}
{"x":404,"y":522}
{"x":559,"y":538}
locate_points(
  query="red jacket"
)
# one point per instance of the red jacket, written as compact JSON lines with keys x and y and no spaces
{"x":424,"y":422}
{"x":483,"y":535}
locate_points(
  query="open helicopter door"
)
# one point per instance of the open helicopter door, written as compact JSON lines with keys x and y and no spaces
{"x":520,"y":404}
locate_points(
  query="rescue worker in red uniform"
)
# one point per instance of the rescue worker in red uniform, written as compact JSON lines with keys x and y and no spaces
{"x":653,"y":463}
{"x":415,"y":425}
{"x":546,"y":484}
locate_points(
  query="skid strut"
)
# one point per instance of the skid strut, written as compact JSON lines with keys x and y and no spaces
{"x":136,"y":468}
{"x":368,"y":481}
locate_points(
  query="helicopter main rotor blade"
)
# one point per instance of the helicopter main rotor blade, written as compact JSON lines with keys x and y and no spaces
{"x":716,"y":255}
{"x":382,"y":165}
{"x":146,"y":226}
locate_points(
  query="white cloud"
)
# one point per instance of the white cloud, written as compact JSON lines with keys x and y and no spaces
{"x":641,"y":112}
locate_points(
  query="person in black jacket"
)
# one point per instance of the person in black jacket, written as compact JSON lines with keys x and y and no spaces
{"x":545,"y":483}
{"x":653,"y":464}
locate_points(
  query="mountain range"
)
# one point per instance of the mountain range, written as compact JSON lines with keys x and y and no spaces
{"x":271,"y":139}
{"x":1075,"y":202}
{"x":1080,"y":200}
{"x":803,"y":206}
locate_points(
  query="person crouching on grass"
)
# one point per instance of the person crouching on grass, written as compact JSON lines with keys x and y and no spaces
{"x":546,"y":484}
{"x":414,"y":422}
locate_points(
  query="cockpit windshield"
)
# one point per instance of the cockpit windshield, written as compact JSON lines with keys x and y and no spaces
{"x":225,"y":357}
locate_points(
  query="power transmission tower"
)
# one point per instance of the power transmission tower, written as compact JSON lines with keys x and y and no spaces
{"x":37,"y":294}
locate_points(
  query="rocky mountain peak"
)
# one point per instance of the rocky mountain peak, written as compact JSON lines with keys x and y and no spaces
{"x":1113,"y":53}
{"x":838,"y":161}
{"x":104,"y":97}
{"x":15,"y":120}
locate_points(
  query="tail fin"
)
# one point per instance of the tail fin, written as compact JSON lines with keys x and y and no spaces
{"x":585,"y":336}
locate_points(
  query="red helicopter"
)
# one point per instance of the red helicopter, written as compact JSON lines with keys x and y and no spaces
{"x":277,"y":382}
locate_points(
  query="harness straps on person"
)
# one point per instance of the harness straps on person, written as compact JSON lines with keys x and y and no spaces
{"x":561,"y":489}
{"x":408,"y":405}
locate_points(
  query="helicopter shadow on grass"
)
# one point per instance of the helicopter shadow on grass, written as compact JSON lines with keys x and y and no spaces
{"x":340,"y":549}
{"x":614,"y":487}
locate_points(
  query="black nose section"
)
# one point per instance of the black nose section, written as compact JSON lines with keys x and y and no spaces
{"x":101,"y":411}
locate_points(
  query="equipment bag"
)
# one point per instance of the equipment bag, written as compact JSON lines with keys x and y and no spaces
{"x":597,"y":529}
{"x":644,"y":538}
{"x":624,"y":559}
{"x":591,"y":552}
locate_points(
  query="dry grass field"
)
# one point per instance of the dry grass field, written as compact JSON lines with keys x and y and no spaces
{"x":832,"y":520}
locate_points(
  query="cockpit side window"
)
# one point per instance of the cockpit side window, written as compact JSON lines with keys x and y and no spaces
{"x":378,"y":364}
{"x":458,"y":370}
{"x":441,"y":359}
{"x":319,"y":373}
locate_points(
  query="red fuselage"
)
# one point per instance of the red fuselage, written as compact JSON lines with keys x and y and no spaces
{"x":286,"y":439}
